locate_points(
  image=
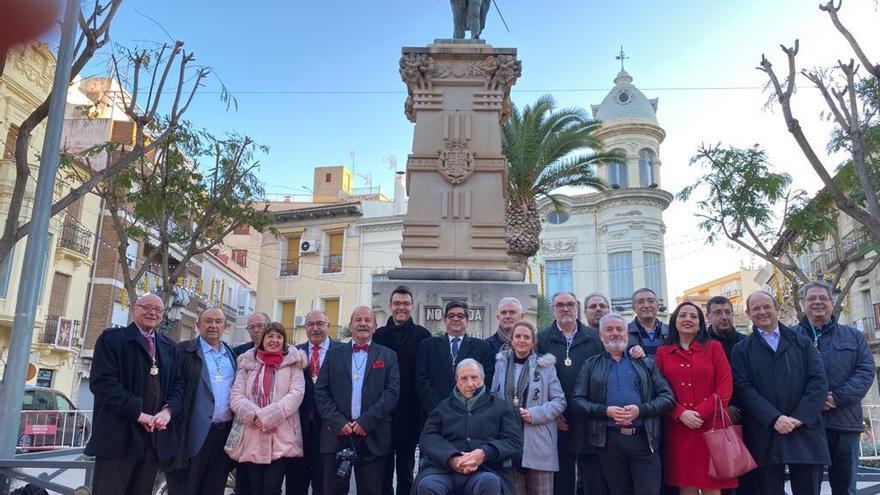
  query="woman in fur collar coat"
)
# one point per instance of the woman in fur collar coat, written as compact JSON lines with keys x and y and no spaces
{"x":268,"y":390}
{"x":528,"y":383}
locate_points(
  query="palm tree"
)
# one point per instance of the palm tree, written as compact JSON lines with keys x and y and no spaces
{"x":546,"y":149}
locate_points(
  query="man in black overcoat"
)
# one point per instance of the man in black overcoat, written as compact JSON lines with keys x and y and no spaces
{"x":137,"y":388}
{"x":403,"y":336}
{"x":306,"y":470}
{"x":469,"y":440}
{"x":356,"y":392}
{"x":780,"y":385}
{"x":438,"y":356}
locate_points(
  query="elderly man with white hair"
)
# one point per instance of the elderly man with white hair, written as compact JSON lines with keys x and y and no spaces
{"x":624,"y":400}
{"x":469,"y":440}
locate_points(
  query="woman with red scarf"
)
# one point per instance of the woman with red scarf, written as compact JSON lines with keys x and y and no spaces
{"x":268,"y":389}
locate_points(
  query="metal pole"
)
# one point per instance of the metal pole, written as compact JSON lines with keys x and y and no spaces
{"x":12,"y":388}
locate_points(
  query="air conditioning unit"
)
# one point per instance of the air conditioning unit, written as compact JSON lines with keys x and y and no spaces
{"x":308,"y":247}
{"x":299,"y":321}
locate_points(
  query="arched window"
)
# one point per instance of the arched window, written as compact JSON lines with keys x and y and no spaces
{"x":646,"y":168}
{"x":617,"y":176}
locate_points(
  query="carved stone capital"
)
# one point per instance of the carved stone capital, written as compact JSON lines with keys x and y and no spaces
{"x":414,"y":68}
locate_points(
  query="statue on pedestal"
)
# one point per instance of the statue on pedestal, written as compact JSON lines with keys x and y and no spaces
{"x":469,"y":15}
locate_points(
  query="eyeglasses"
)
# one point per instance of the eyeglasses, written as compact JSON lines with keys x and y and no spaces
{"x":597,"y":306}
{"x":650,"y":300}
{"x":456,"y":316}
{"x":151,"y":309}
{"x":255,"y":326}
{"x":314,"y":324}
{"x":401,"y":304}
{"x":569,"y":305}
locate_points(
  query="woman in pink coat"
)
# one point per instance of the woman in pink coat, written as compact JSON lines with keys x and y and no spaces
{"x":266,"y":395}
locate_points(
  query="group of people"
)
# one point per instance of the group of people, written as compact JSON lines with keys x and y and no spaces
{"x":598,"y":405}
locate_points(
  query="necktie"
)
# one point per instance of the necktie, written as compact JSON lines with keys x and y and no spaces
{"x":151,"y":346}
{"x":365,"y":348}
{"x":455,"y":342}
{"x":315,"y":362}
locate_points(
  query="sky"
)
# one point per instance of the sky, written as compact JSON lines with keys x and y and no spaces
{"x":316,"y":81}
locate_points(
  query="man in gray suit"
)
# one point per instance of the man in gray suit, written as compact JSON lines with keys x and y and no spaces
{"x":207,"y":366}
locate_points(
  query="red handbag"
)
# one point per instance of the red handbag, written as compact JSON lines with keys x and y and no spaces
{"x":728,"y":455}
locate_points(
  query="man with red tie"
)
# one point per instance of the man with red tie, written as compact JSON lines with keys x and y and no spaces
{"x":302,"y":471}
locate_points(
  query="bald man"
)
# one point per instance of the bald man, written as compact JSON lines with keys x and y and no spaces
{"x":137,"y":389}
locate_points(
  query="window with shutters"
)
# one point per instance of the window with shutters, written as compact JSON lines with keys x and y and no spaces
{"x":559,"y":276}
{"x":239,"y":256}
{"x":58,"y":296}
{"x":653,"y":266}
{"x":646,"y":168}
{"x":290,"y":260}
{"x":9,"y":145}
{"x":621,"y":273}
{"x":333,"y":255}
{"x":331,"y":309}
{"x":288,"y":318}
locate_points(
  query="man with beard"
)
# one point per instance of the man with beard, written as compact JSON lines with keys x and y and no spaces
{"x":646,"y":330}
{"x":624,"y":401}
{"x":510,"y":311}
{"x":572,"y":343}
{"x":719,"y":316}
{"x":850,"y":371}
{"x":356,"y":392}
{"x":305,"y":470}
{"x":595,"y":307}
{"x":780,"y":384}
{"x":402,"y":335}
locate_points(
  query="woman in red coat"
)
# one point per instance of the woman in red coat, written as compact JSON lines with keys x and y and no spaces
{"x":697,"y":369}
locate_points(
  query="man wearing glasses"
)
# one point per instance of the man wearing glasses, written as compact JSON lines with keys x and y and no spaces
{"x":137,"y":389}
{"x":403,"y":336}
{"x":438,"y":356}
{"x":302,"y":471}
{"x":255,"y":324}
{"x":646,"y":330}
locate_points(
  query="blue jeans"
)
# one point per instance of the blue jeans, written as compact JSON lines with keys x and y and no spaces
{"x":478,"y":483}
{"x":844,"y":449}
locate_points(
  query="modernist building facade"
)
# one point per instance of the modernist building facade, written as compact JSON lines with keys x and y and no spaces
{"x":612,"y":241}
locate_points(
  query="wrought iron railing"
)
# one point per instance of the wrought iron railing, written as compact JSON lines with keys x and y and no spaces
{"x":333,"y":263}
{"x":76,"y":237}
{"x":69,"y":331}
{"x":289,"y":268}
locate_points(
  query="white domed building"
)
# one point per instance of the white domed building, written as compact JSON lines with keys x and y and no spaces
{"x":612,"y":241}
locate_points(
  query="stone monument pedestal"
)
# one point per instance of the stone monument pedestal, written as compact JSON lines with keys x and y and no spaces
{"x":455,"y":233}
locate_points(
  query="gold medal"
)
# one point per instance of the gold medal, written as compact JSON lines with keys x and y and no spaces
{"x":314,"y":378}
{"x":154,"y":370}
{"x":567,"y":361}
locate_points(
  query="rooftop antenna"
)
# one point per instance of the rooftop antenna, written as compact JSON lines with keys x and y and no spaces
{"x":621,"y":56}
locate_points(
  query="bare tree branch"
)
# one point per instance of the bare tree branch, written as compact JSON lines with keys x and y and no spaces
{"x":873,"y":69}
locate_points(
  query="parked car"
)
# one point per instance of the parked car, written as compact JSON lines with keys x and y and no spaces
{"x":49,"y":420}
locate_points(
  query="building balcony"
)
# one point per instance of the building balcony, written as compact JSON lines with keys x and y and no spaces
{"x":289,"y":268}
{"x":63,"y":336}
{"x":852,"y":243}
{"x":76,"y":239}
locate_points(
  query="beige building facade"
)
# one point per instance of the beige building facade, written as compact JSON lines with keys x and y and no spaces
{"x":735,"y":286}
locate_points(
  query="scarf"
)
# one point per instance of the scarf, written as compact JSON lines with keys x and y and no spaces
{"x":468,"y":403}
{"x":521,"y":384}
{"x":264,"y":382}
{"x":504,"y":338}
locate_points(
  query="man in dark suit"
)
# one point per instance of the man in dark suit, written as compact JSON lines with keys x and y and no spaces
{"x":137,"y":389}
{"x":302,"y":471}
{"x":207,"y":366}
{"x":402,"y":335}
{"x":438,"y":356}
{"x":356,"y":392}
{"x":255,"y":324}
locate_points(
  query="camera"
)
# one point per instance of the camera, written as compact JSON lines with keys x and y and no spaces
{"x":345,"y":459}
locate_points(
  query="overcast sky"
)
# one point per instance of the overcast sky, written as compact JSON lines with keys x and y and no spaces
{"x":317,"y":80}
